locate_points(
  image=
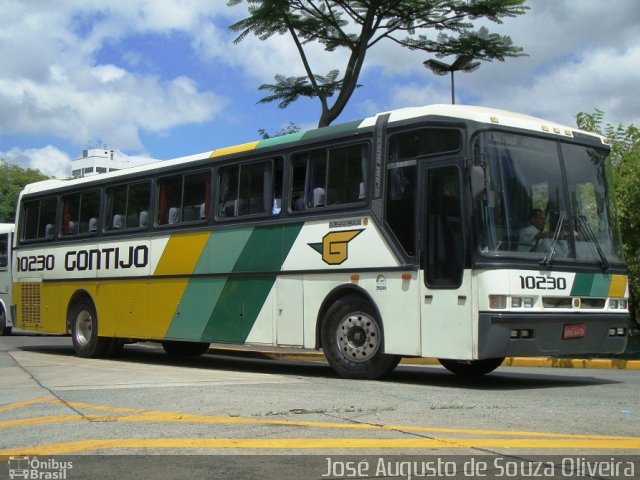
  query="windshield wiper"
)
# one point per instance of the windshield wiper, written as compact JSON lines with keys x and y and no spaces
{"x":592,"y":237}
{"x":552,"y":249}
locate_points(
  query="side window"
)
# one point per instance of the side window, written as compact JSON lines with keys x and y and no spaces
{"x":40,"y":219}
{"x":424,"y":141}
{"x":345,"y":182}
{"x":195,"y":201}
{"x":328,"y":177}
{"x":116,"y":208}
{"x":138,"y":199}
{"x":4,"y":250}
{"x":401,"y":203}
{"x":250,"y":189}
{"x":183,"y":198}
{"x":128,"y":206}
{"x":170,"y":201}
{"x":444,"y":249}
{"x":80,"y":213}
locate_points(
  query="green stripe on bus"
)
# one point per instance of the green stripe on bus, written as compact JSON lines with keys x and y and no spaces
{"x":242,"y":299}
{"x":310,"y":134}
{"x":591,"y":285}
{"x":271,"y":142}
{"x":221,"y":252}
{"x":196,"y":305}
{"x":237,"y":309}
{"x":225,"y":309}
{"x":332,"y":130}
{"x":263,"y":251}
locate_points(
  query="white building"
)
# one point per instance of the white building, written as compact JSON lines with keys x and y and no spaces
{"x":102,"y":160}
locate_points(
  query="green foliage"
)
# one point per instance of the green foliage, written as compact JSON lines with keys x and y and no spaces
{"x":358,"y":26}
{"x":289,"y":129}
{"x":625,"y":159}
{"x":12,"y":180}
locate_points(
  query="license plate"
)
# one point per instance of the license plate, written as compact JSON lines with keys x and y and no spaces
{"x":574,"y":330}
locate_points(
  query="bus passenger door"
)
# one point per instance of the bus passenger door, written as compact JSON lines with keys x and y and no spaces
{"x":446,"y":302}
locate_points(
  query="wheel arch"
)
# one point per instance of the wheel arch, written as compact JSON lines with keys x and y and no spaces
{"x":78,"y":296}
{"x":335,"y":295}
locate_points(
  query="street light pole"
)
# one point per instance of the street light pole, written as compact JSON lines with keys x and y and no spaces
{"x":453,"y":90}
{"x":463,"y":63}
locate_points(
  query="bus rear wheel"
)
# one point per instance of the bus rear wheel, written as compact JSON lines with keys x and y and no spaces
{"x":84,"y":332}
{"x":471,"y":368}
{"x":185,"y":349}
{"x":352,"y":340}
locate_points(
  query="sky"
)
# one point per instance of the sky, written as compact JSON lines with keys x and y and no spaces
{"x":164,"y":78}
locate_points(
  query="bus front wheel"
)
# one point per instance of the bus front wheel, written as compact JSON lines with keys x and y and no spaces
{"x":471,"y":368}
{"x":84,"y":332}
{"x":352,"y":340}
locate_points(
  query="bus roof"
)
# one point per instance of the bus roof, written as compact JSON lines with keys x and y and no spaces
{"x":492,"y":116}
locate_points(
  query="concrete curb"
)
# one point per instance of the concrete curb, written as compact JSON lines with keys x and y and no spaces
{"x":542,"y":362}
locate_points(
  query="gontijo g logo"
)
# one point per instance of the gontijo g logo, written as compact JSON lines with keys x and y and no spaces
{"x":334,"y":247}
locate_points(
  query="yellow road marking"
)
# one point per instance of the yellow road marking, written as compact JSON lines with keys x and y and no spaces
{"x":26,"y":403}
{"x":312,"y":443}
{"x":143,"y":415}
{"x":549,"y":440}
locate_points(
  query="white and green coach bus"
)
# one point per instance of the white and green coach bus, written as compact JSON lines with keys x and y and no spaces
{"x":400,"y":235}
{"x":6,"y":314}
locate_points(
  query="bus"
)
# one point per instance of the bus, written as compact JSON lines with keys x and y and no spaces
{"x":6,"y":316}
{"x":398,"y":235}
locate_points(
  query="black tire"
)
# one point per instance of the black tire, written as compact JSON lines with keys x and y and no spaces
{"x":353,"y":341}
{"x":4,"y":329}
{"x":185,"y":349}
{"x":471,"y":368}
{"x":84,"y":331}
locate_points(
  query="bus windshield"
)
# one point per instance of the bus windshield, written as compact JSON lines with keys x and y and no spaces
{"x":543,"y":200}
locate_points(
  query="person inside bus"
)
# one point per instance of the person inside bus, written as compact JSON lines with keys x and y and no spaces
{"x":298,"y":201}
{"x":532,"y":234}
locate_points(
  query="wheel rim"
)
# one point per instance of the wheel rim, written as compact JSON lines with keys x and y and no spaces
{"x":358,"y":337}
{"x":84,"y":328}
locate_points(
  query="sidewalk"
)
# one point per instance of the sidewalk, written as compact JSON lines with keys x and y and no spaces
{"x":302,"y":355}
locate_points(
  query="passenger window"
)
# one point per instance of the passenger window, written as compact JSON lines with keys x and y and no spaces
{"x":328,"y":177}
{"x":40,"y":219}
{"x":80,"y":213}
{"x":128,"y":206}
{"x":250,"y":189}
{"x":4,"y":250}
{"x":169,"y":206}
{"x":183,"y":198}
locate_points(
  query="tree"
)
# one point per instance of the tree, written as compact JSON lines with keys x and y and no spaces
{"x":359,"y":25}
{"x":625,"y":160}
{"x":289,"y":129}
{"x":13,"y":179}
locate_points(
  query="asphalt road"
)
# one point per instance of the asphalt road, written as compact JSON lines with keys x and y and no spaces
{"x":146,"y":412}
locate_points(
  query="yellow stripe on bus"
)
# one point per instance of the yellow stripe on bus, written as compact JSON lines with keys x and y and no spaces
{"x":182,"y":253}
{"x":243,"y":147}
{"x":618,"y":285}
